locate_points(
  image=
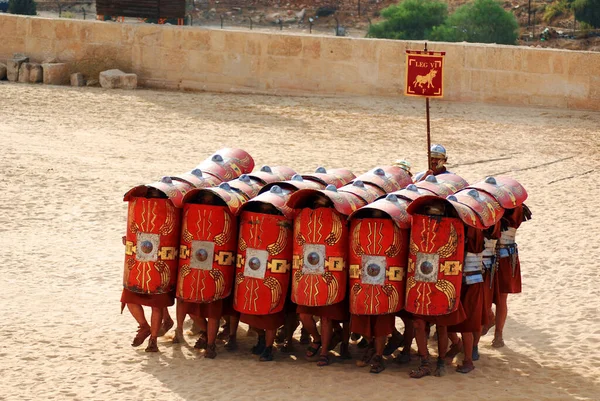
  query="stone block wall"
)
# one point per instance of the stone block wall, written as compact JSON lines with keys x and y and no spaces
{"x":194,"y":58}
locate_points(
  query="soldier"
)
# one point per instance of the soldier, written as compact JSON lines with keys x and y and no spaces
{"x":378,"y":259}
{"x":508,"y":280}
{"x":510,"y":194}
{"x":150,"y":253}
{"x":432,"y":296}
{"x":437,"y":166}
{"x":488,"y":213}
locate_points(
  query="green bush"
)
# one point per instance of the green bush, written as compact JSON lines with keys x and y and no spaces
{"x":23,"y":7}
{"x":483,"y":21}
{"x":411,"y":19}
{"x":557,"y":9}
{"x":587,"y":11}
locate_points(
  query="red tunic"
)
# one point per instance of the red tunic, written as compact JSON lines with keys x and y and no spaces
{"x":471,"y":296}
{"x":509,"y":282}
{"x":264,"y":322}
{"x":373,"y":325}
{"x":155,"y":300}
{"x":339,"y":311}
{"x":488,"y":288}
{"x":212,"y":310}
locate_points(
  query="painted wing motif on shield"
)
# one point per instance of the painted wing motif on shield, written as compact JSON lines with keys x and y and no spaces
{"x":356,"y":246}
{"x":393,"y":297}
{"x":396,"y":245}
{"x":275,"y":286}
{"x":279,"y":245}
{"x":336,"y":231}
{"x":332,"y":287}
{"x":450,"y":247}
{"x":219,"y":279}
{"x":449,"y":290}
{"x":222,"y":238}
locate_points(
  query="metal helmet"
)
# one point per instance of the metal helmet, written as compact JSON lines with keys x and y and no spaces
{"x":438,"y":152}
{"x":403,"y":164}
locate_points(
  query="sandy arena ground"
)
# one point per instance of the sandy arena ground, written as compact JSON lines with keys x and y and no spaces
{"x":69,"y":154}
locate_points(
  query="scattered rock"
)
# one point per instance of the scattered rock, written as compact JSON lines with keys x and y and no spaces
{"x":77,"y":79}
{"x":112,"y":79}
{"x":301,"y":15}
{"x":92,"y":82}
{"x":36,"y":74}
{"x":55,"y":73}
{"x":24,"y":71}
{"x":21,"y":56}
{"x":273,"y":18}
{"x":2,"y":71}
{"x":12,"y":68}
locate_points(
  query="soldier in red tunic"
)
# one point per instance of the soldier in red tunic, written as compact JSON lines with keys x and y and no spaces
{"x":320,"y":270}
{"x":378,"y":259}
{"x":510,"y":194}
{"x":487,"y":213}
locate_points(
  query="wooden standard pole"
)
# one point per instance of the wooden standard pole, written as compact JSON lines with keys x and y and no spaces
{"x":428,"y":128}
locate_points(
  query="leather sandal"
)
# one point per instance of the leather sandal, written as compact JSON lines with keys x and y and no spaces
{"x":140,"y":337}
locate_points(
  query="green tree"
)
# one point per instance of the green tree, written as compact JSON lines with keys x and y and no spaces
{"x":483,"y":21}
{"x":411,"y":19}
{"x":24,"y":7}
{"x":587,"y":11}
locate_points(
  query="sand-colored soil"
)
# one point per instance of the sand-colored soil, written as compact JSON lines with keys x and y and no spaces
{"x":68,"y":155}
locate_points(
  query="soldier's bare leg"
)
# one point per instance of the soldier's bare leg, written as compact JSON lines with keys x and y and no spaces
{"x":409,"y":335}
{"x":137,"y":311}
{"x":309,"y":325}
{"x":167,"y":322}
{"x":467,"y":365}
{"x":476,"y":337}
{"x":501,"y":314}
{"x":456,"y":347}
{"x":180,"y":313}
{"x":345,"y":346}
{"x":289,"y":327}
{"x":326,"y":336}
{"x":155,"y":325}
{"x":213,"y":328}
{"x":421,"y":340}
{"x":442,"y":332}
{"x":267,"y":354}
{"x":377,"y":365}
{"x":231,"y":344}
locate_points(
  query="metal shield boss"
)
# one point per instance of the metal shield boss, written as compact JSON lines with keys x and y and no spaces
{"x":435,"y":265}
{"x":378,"y":259}
{"x":151,"y":245}
{"x":207,"y":253}
{"x":320,"y":257}
{"x":264,"y":263}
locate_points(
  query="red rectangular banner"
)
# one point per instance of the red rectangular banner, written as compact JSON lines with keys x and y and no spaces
{"x":424,"y":73}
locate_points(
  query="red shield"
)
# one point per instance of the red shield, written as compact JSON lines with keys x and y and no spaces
{"x":435,"y":265}
{"x":227,"y":164}
{"x":207,"y":253}
{"x":424,"y":73}
{"x":264,"y":262}
{"x":151,"y":246}
{"x":388,"y":179}
{"x":507,"y":191}
{"x":196,"y":179}
{"x":320,"y":271}
{"x":486,"y":207}
{"x":337,"y":177}
{"x":432,"y":184}
{"x":378,"y":259}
